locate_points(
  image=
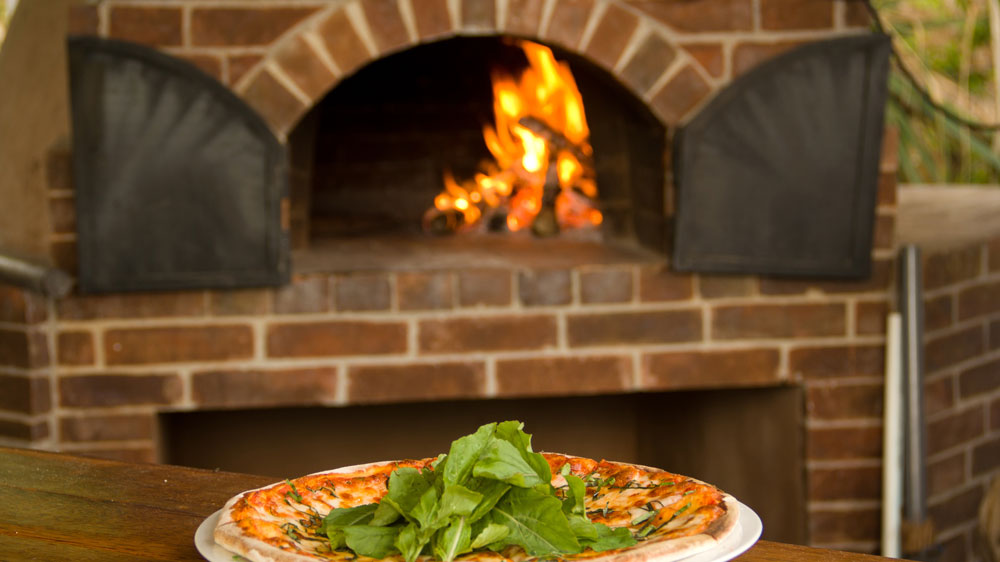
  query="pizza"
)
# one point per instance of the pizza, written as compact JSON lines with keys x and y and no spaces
{"x":628,"y":513}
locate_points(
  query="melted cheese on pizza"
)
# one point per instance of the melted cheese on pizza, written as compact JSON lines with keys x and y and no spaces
{"x":655,"y":505}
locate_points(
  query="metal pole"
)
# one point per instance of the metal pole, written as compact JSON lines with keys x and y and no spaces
{"x":914,"y":446}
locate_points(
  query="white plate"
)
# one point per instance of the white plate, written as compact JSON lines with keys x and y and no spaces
{"x":746,"y":533}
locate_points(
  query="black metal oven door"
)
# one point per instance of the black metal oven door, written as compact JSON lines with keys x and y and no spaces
{"x":178,"y":183}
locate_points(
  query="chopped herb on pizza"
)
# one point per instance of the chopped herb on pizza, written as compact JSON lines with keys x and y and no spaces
{"x":490,"y":499}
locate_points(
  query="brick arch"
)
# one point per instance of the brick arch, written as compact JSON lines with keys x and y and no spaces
{"x":310,"y":60}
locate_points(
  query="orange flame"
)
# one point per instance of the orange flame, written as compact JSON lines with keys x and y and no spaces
{"x":539,"y":123}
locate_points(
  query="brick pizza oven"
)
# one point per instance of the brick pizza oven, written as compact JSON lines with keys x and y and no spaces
{"x":114,"y":375}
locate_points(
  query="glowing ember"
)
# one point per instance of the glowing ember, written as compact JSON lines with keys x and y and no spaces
{"x":542,"y":175}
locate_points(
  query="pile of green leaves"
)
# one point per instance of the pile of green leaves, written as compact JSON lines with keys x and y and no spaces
{"x":490,"y":491}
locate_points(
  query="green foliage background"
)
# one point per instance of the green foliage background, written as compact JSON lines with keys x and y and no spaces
{"x":946,"y":44}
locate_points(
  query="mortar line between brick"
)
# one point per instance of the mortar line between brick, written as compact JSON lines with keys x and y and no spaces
{"x":355,"y":13}
{"x":981,"y":401}
{"x":515,"y":291}
{"x":847,"y":423}
{"x":258,"y":330}
{"x":637,"y":370}
{"x":412,"y":338}
{"x":965,"y":448}
{"x":224,"y":71}
{"x":679,"y":62}
{"x":186,"y":401}
{"x":960,"y":530}
{"x":842,"y":505}
{"x":318,"y":47}
{"x":850,"y":317}
{"x":980,"y":321}
{"x":122,"y":410}
{"x":562,"y":335}
{"x":22,"y":417}
{"x":342,"y":397}
{"x":393,"y":279}
{"x":596,"y":14}
{"x":103,"y":19}
{"x":843,"y":464}
{"x":490,"y":376}
{"x":269,"y":363}
{"x":251,"y":4}
{"x":186,"y":25}
{"x":100,"y":359}
{"x":706,"y":323}
{"x":81,"y":446}
{"x":957,"y":288}
{"x":840,"y":382}
{"x":501,"y":14}
{"x":271,"y":66}
{"x":222,"y":52}
{"x":953,"y":492}
{"x":543,"y":22}
{"x":784,"y":363}
{"x":639,"y":34}
{"x":454,"y":10}
{"x":755,"y":15}
{"x":409,"y":20}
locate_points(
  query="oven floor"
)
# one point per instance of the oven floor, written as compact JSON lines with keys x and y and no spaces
{"x":391,"y":253}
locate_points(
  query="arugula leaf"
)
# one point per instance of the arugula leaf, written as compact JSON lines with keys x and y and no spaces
{"x":491,"y":533}
{"x":535,"y":522}
{"x":502,"y":461}
{"x":425,"y":513}
{"x":576,"y":491}
{"x":344,"y":516}
{"x":582,"y":527}
{"x":457,"y":500}
{"x":377,"y":542}
{"x":406,"y":485}
{"x":410,"y":543}
{"x":608,"y":538}
{"x":453,"y":540}
{"x":511,"y":431}
{"x":491,"y":491}
{"x":464,"y":453}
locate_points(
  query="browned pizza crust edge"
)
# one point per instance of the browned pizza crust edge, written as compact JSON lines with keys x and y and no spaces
{"x":228,"y":535}
{"x":675,"y":549}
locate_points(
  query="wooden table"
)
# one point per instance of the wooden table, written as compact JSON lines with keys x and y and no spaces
{"x":56,"y":507}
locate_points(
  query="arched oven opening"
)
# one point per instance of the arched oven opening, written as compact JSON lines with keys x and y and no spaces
{"x":370,"y":160}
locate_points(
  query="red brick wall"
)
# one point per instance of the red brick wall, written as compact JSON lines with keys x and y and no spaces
{"x":962,"y":369}
{"x":103,"y":366}
{"x":25,"y":384}
{"x":282,"y":58}
{"x":89,"y":374}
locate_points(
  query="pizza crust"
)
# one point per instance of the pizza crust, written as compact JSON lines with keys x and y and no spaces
{"x":229,"y":535}
{"x":675,"y":549}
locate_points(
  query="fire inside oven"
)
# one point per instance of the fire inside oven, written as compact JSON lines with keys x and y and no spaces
{"x":481,"y":136}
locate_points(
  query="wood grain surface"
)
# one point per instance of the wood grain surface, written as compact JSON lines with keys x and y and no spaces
{"x":57,"y":507}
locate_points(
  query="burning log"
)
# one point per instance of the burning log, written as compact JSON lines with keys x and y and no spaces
{"x":542,"y":173}
{"x":555,"y":139}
